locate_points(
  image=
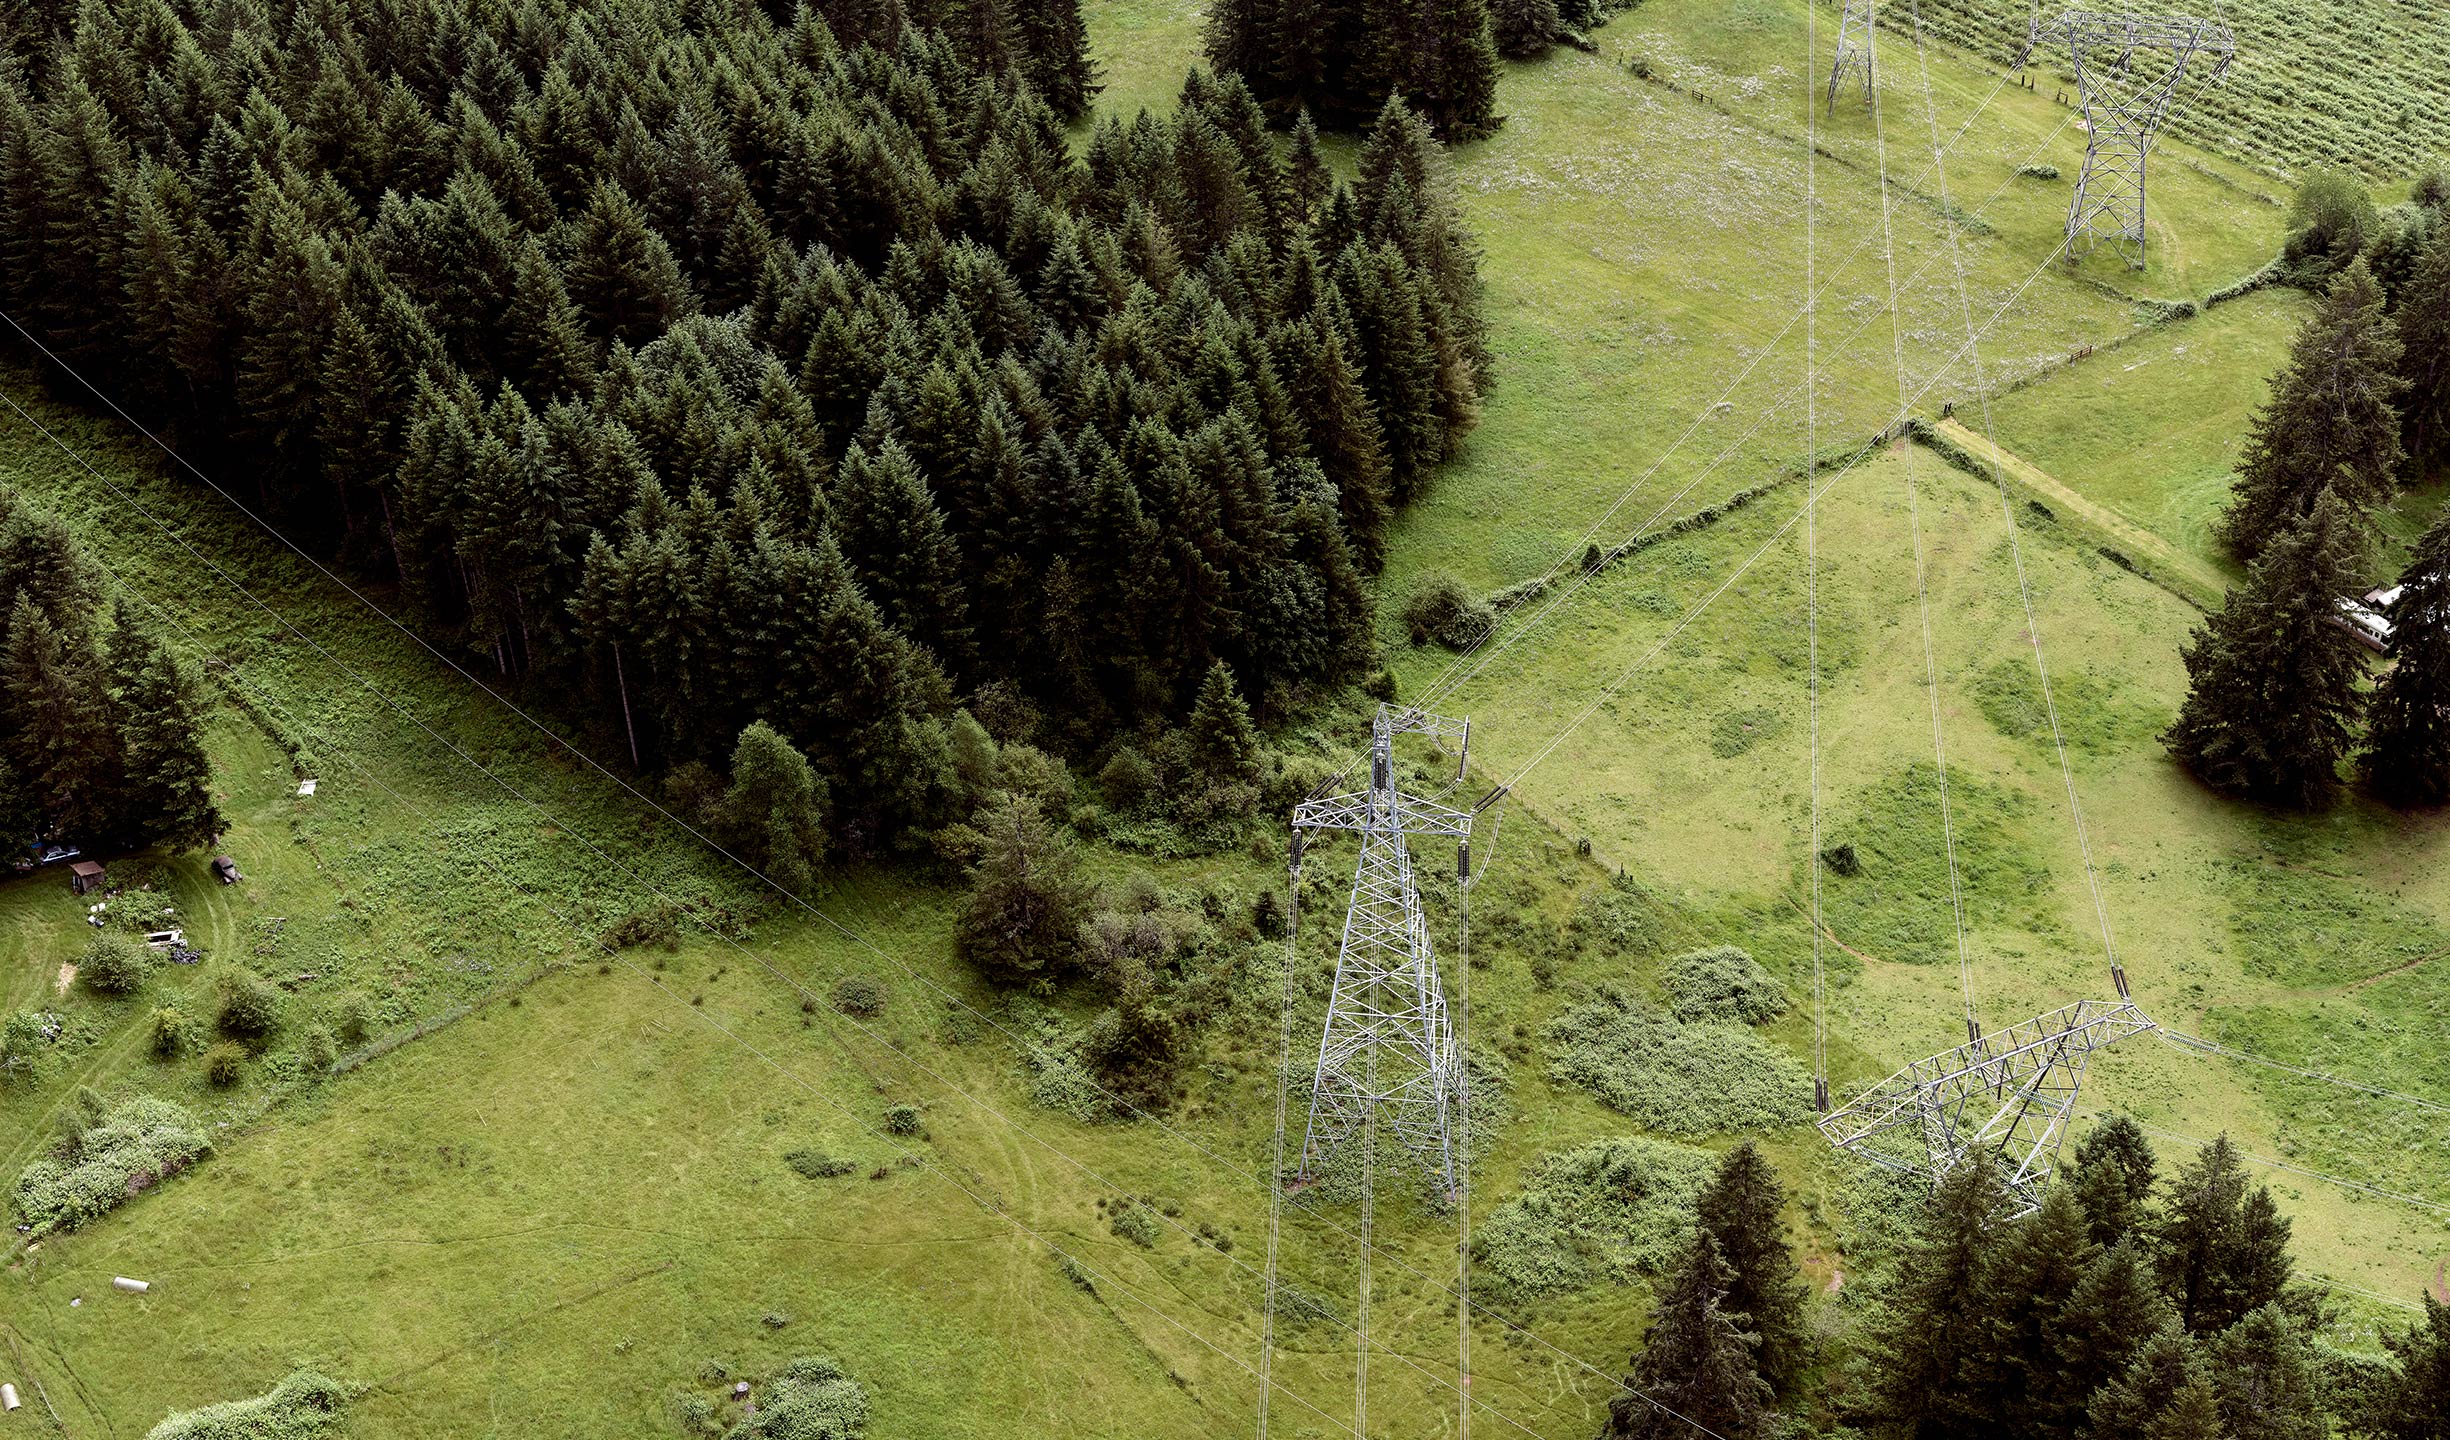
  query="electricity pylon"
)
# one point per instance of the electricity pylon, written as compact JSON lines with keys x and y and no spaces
{"x":2010,"y":1094}
{"x":2123,"y":108}
{"x":1386,"y":1056}
{"x":1857,"y":49}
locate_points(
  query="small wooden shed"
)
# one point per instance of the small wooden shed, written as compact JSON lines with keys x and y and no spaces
{"x":225,"y":870}
{"x":84,"y":876}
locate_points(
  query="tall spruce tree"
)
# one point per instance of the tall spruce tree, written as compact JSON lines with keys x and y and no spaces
{"x":1696,"y":1368}
{"x":64,"y":748}
{"x":2411,"y":1399}
{"x":2407,"y":744}
{"x":159,"y":706}
{"x":2274,"y":681}
{"x":1924,"y":1350}
{"x":2220,"y":1249}
{"x":2167,"y":1365}
{"x":2331,"y":421}
{"x":1222,"y":736}
{"x":2115,"y":1308}
{"x":2424,"y":356}
{"x":2268,"y":1379}
{"x":1740,"y":1213}
{"x":2112,"y":1178}
{"x":2041,"y":1262}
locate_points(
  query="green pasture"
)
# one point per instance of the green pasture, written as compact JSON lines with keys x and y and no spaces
{"x":569,"y":1201}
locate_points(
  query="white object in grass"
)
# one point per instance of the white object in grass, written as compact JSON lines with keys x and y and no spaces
{"x":133,"y":1287}
{"x":306,"y":787}
{"x":8,"y":1398}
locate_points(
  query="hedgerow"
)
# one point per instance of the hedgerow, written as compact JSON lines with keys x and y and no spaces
{"x":137,"y":1144}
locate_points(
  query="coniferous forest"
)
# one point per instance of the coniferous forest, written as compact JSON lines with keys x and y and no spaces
{"x":715,"y":364}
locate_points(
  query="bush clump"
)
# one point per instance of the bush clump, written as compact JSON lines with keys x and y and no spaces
{"x":1673,"y":1077}
{"x":1606,"y":1211}
{"x":1723,"y":984}
{"x":860,"y":995}
{"x":1440,"y":609}
{"x":225,"y":1065}
{"x":170,"y":1031}
{"x":245,"y":1004}
{"x":133,"y":1146}
{"x":302,"y":1407}
{"x":115,"y":964}
{"x":817,"y":1164}
{"x":813,"y":1399}
{"x":904,"y":1120}
{"x":2038,"y":172}
{"x":1133,"y":1222}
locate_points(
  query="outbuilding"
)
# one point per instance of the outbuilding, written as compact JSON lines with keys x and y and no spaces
{"x":85,"y":876}
{"x":225,"y":870}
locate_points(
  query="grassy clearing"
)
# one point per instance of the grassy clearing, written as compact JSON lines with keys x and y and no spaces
{"x":550,"y":1216}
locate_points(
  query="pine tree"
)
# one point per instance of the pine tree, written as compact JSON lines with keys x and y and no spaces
{"x":621,"y":273}
{"x":1740,"y":1212}
{"x":544,"y":340}
{"x":2329,"y":424}
{"x":2220,"y":1250}
{"x":2265,"y":1372}
{"x":1222,"y":735}
{"x":774,"y":812}
{"x":1307,"y":175}
{"x":1055,"y":55}
{"x":2112,"y":1179}
{"x":64,"y":748}
{"x":1380,"y":310}
{"x":2193,"y":1414}
{"x":2096,"y":1335}
{"x":1696,"y":1366}
{"x":159,"y":706}
{"x":2168,"y":1363}
{"x":2424,"y":357}
{"x":1923,"y":1355}
{"x":2274,"y":682}
{"x":1524,"y":29}
{"x":1460,"y":98}
{"x":1026,"y":902}
{"x":2407,"y":745}
{"x":2026,"y":1286}
{"x":895,"y":537}
{"x":2412,"y":1399}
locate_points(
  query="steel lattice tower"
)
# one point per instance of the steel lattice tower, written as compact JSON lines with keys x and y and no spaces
{"x":2010,"y":1094}
{"x":1857,"y":48}
{"x":2123,"y":107}
{"x":1386,"y":1055}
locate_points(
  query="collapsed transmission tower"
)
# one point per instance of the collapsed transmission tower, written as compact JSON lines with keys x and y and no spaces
{"x":1386,"y":1056}
{"x":1857,"y":48}
{"x":2009,"y":1094}
{"x":2124,"y":105}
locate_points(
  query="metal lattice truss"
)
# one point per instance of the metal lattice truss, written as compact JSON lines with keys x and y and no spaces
{"x":2124,"y":103}
{"x":2009,"y":1093}
{"x":1857,"y":48}
{"x":1386,"y":1055}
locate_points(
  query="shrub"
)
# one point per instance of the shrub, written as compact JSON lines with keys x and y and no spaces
{"x":2038,"y":172}
{"x":860,"y":995}
{"x":169,"y":1032}
{"x":1604,"y":1212}
{"x":135,"y":1145}
{"x":1842,"y":860}
{"x":245,"y":1004}
{"x":304,"y":1406}
{"x":25,"y":1037}
{"x":1133,"y":1222}
{"x":1128,"y":780}
{"x":817,"y":1165}
{"x":1380,"y":685}
{"x":1524,"y":28}
{"x":1027,"y":902}
{"x":2330,"y":219}
{"x":811,"y":1400}
{"x":1441,"y":609}
{"x":903,"y":1120}
{"x":1028,"y":770}
{"x":1723,"y":984}
{"x":115,"y":964}
{"x":1672,"y":1077}
{"x":354,"y":1018}
{"x":317,"y":1050}
{"x":225,"y":1064}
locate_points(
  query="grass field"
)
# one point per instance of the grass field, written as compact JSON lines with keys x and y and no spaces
{"x":569,"y":1203}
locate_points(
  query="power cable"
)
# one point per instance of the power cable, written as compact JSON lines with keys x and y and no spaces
{"x":1811,"y":543}
{"x":1104,"y":1182}
{"x":2200,"y":1045}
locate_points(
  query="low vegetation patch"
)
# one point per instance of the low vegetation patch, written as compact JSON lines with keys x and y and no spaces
{"x":2306,"y":929}
{"x":124,"y":1150}
{"x":813,"y":1399}
{"x":818,"y":1164}
{"x":1894,"y":902}
{"x":1603,"y":1213}
{"x":1682,"y":1079}
{"x":304,"y":1406}
{"x":1723,"y":984}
